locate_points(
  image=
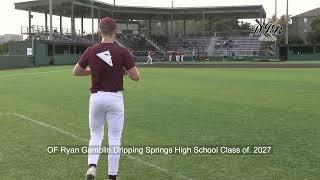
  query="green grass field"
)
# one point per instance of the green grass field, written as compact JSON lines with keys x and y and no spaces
{"x":278,"y":107}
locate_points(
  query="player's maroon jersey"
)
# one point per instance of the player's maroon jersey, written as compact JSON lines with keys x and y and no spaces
{"x":107,"y":62}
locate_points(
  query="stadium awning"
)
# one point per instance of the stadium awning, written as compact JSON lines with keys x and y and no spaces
{"x":82,"y":9}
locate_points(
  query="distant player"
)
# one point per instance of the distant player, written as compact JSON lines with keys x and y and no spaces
{"x":133,"y":56}
{"x":108,"y":63}
{"x":149,"y":57}
{"x":173,"y":54}
{"x":193,"y":54}
{"x":177,"y":56}
{"x":206,"y":57}
{"x":170,"y":52}
{"x":226,"y":54}
{"x":181,"y":56}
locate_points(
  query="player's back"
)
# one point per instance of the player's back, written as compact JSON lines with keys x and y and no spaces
{"x":107,"y":62}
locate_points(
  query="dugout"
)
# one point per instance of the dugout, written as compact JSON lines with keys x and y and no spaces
{"x":47,"y":52}
{"x":300,"y":52}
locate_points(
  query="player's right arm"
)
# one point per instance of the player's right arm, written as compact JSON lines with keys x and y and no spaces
{"x":79,"y":71}
{"x":134,"y":74}
{"x":81,"y":67}
{"x":130,"y":67}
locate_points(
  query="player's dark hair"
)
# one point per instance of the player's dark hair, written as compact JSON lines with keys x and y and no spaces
{"x":106,"y":29}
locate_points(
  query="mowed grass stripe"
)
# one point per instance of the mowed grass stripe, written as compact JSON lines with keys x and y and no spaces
{"x":150,"y":165}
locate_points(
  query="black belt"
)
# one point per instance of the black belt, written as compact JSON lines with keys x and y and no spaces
{"x":94,"y":92}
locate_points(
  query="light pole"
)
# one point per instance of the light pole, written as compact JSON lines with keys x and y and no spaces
{"x":275,"y":9}
{"x":287,"y":23}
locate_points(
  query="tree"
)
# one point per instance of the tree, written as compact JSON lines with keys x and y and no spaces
{"x":313,"y":37}
{"x":244,"y":25}
{"x":228,"y":24}
{"x":4,"y":49}
{"x":294,"y":38}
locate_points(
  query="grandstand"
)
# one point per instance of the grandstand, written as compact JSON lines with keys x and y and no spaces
{"x":142,"y":29}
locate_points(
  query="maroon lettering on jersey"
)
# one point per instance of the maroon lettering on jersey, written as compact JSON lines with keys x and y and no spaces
{"x":107,"y":62}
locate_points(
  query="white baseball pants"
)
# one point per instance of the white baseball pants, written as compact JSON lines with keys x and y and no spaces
{"x":106,"y":107}
{"x":149,"y":59}
{"x":177,"y":58}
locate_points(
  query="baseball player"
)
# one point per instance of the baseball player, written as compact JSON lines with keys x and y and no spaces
{"x":107,"y":63}
{"x":149,"y":58}
{"x":193,"y":54}
{"x":177,"y":56}
{"x":170,"y":52}
{"x":182,"y":55}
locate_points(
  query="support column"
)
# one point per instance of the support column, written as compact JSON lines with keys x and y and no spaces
{"x":92,"y":22}
{"x":172,"y":25}
{"x":69,"y":49}
{"x":74,"y":49}
{"x":287,"y":24}
{"x":99,"y":16}
{"x":46,"y":22}
{"x":261,"y":14}
{"x":61,"y":28}
{"x":72,"y":22}
{"x":203,"y":23}
{"x":50,"y":9}
{"x":30,"y":24}
{"x":99,"y":19}
{"x":210,"y":24}
{"x":150,"y":27}
{"x":184,"y":26}
{"x":276,"y":9}
{"x":167,"y":33}
{"x":82,"y":27}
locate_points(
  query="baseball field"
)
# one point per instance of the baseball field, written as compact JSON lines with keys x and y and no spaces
{"x":278,"y":107}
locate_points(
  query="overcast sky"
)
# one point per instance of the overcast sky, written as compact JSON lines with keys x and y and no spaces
{"x":11,"y":20}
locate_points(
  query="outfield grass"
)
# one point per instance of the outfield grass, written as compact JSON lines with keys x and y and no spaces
{"x":278,"y":107}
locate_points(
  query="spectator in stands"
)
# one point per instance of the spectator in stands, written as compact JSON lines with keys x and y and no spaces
{"x":193,"y":54}
{"x":149,"y":57}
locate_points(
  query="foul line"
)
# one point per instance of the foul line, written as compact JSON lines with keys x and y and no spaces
{"x":85,"y":140}
{"x":34,"y":73}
